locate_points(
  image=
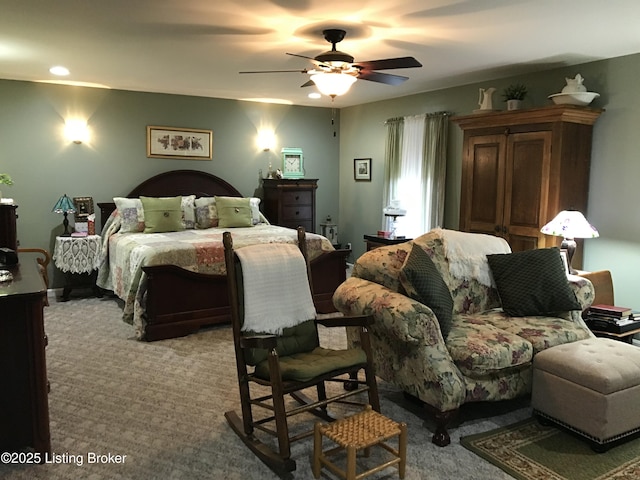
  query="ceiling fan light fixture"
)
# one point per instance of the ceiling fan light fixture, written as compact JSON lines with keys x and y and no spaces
{"x":333,"y":84}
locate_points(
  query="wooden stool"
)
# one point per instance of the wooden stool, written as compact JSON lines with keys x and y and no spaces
{"x":360,"y":431}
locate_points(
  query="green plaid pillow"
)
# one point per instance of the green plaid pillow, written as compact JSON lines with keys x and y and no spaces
{"x":532,"y":283}
{"x":422,"y":281}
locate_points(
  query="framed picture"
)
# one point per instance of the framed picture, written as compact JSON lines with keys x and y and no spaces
{"x":292,"y":163}
{"x":83,"y":206}
{"x":362,"y":169}
{"x":187,"y":143}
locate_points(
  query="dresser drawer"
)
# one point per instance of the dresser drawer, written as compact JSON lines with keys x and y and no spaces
{"x":297,"y":197}
{"x":293,"y":213}
{"x":307,"y":224}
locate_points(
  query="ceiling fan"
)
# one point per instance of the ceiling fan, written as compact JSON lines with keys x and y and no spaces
{"x":334,"y":71}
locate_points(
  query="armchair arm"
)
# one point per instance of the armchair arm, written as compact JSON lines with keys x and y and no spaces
{"x":408,"y":348}
{"x":584,"y":290}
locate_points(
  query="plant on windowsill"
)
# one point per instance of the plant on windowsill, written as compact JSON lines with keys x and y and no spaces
{"x":513,"y":95}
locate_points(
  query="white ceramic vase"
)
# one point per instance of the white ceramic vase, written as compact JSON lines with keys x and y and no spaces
{"x":514,"y":104}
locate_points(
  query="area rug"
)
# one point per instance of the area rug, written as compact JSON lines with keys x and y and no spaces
{"x":527,"y":450}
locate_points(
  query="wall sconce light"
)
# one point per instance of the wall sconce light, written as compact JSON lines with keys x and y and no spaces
{"x":76,"y":131}
{"x":266,"y":140}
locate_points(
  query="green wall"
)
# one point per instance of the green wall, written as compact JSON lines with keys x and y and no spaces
{"x":615,"y":167}
{"x":44,"y":165}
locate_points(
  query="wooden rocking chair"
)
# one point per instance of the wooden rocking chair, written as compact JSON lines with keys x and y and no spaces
{"x":289,"y":360}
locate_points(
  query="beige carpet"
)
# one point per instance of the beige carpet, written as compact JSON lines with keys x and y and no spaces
{"x":161,"y":405}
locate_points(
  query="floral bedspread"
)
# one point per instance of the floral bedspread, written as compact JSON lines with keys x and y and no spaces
{"x":201,"y":251}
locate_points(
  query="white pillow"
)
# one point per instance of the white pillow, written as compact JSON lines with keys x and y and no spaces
{"x":131,"y":214}
{"x":255,"y":210}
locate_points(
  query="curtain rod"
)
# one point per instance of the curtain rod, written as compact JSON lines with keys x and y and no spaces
{"x":432,"y":114}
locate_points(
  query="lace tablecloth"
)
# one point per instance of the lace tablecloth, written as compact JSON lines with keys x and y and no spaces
{"x":77,"y":254}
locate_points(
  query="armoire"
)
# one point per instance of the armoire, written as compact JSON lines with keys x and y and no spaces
{"x":522,"y":167}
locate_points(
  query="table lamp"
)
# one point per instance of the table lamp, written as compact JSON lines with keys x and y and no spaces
{"x":393,"y":211}
{"x":65,"y":206}
{"x":570,"y":224}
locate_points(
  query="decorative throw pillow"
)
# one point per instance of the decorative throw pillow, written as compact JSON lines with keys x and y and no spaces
{"x":206,"y":212}
{"x":131,"y":214}
{"x":188,"y":211}
{"x":162,"y":214}
{"x":234,"y":212}
{"x":255,"y":210}
{"x":422,"y":281}
{"x":532,"y":282}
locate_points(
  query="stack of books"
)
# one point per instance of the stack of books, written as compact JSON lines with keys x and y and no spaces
{"x":610,"y":318}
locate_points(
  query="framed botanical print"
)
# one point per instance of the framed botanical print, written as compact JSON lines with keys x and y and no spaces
{"x":292,"y":163}
{"x":186,"y":143}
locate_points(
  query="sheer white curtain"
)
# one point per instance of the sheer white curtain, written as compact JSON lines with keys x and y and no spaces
{"x":415,"y":170}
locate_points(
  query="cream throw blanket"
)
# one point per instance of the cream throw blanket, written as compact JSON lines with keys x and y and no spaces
{"x":467,"y":253}
{"x":276,"y":287}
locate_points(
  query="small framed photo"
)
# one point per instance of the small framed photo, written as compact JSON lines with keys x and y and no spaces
{"x":185,"y":143}
{"x":84,"y":208}
{"x":362,"y":169}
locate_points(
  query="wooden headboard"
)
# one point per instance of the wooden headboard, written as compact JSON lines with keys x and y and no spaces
{"x":174,"y":183}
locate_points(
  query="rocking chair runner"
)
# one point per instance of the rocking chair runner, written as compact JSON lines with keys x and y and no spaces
{"x":287,"y":359}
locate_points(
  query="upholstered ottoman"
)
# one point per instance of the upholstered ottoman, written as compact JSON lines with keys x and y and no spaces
{"x":591,"y":387}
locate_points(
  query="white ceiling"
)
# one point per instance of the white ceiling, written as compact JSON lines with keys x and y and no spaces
{"x":197,"y":47}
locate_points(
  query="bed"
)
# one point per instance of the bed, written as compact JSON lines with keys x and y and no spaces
{"x":164,"y":299}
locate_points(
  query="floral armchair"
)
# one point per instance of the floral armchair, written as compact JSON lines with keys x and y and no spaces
{"x":486,"y":354}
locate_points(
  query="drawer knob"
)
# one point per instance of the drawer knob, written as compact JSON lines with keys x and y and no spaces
{"x":297,"y":197}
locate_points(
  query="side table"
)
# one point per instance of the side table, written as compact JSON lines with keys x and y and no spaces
{"x":374,"y":241}
{"x":79,"y":256}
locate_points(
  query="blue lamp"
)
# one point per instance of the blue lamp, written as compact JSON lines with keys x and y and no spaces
{"x":65,"y":206}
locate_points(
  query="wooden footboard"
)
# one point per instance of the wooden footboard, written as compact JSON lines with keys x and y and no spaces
{"x":179,"y":302}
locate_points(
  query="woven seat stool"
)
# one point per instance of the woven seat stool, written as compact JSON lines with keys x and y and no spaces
{"x":359,"y":432}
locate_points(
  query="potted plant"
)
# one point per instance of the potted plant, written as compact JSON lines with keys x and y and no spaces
{"x":513,"y":95}
{"x":5,"y":179}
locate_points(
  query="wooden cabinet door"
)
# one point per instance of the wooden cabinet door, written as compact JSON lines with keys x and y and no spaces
{"x":526,"y":192}
{"x":483,"y":182}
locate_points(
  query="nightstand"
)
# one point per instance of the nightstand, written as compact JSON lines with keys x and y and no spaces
{"x":78,"y":258}
{"x":374,"y":241}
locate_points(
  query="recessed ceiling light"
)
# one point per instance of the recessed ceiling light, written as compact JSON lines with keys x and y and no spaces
{"x":314,"y":95}
{"x":59,"y":70}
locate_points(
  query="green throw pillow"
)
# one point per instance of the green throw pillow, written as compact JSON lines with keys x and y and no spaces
{"x":533,"y":282}
{"x":162,"y":214}
{"x":422,"y":281}
{"x":234,"y":212}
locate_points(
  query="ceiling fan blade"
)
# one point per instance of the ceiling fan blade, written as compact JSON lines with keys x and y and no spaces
{"x":378,"y":77}
{"x":389,"y":63}
{"x":310,"y":83}
{"x":279,"y":71}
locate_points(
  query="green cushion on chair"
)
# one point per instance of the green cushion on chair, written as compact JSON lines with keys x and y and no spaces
{"x":298,"y":339}
{"x":302,"y":367}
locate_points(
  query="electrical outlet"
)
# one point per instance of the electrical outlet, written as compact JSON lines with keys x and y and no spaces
{"x":348,"y":245}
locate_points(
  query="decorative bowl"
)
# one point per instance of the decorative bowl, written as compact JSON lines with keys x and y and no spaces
{"x":574,"y":98}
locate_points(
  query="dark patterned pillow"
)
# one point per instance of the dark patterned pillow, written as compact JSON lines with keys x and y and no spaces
{"x":533,"y":282}
{"x":422,"y":281}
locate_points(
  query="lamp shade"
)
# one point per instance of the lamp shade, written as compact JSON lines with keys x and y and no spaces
{"x":570,"y":224}
{"x":64,"y":205}
{"x":333,"y":84}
